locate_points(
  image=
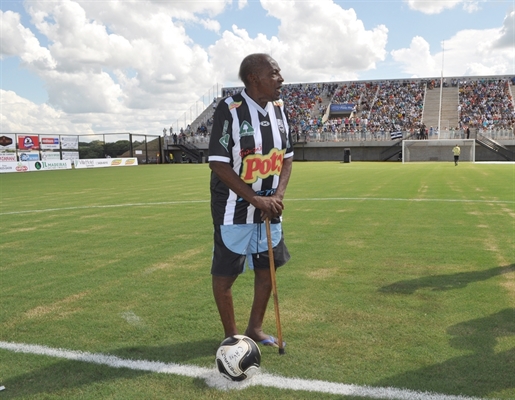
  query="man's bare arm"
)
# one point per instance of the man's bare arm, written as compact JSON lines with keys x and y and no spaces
{"x":270,"y":206}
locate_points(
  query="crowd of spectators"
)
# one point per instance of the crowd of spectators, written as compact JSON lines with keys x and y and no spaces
{"x":397,"y":106}
{"x":304,"y":105}
{"x":486,"y":104}
{"x":381,"y":108}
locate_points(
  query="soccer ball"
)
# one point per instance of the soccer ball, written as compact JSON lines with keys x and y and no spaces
{"x":238,"y":358}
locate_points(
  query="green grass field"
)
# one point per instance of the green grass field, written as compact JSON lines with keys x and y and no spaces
{"x":401,"y":276}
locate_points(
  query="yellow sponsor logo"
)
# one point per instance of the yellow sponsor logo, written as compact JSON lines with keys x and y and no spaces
{"x":261,"y":166}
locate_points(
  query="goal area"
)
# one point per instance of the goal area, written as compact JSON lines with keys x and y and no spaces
{"x":437,"y":150}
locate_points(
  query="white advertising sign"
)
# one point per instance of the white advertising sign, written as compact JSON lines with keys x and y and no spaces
{"x":7,"y":142}
{"x":70,"y":142}
{"x":14,"y":167}
{"x":49,"y":142}
{"x":49,"y":165}
{"x":50,"y":155}
{"x":70,"y":155}
{"x":8,"y":157}
{"x":105,"y":162}
{"x":123,"y":162}
{"x":29,"y":156}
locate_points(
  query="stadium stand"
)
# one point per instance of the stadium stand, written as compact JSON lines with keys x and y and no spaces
{"x":487,"y":104}
{"x":388,"y":111}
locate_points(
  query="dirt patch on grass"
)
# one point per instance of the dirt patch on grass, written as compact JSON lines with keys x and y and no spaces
{"x":180,"y":260}
{"x":24,"y":229}
{"x":509,"y":283}
{"x":56,"y":307}
{"x":323,"y":273}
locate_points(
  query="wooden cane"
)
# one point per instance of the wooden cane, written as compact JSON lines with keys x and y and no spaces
{"x":274,"y":286}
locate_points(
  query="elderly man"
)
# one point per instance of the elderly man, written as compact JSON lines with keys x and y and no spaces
{"x":250,"y":155}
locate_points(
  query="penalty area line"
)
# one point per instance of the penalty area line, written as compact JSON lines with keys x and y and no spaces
{"x":215,"y":380}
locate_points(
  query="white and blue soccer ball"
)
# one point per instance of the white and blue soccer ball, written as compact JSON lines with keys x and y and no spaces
{"x":238,"y":358}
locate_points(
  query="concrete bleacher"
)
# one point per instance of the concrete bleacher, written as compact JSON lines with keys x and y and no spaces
{"x":449,"y":117}
{"x":310,"y":101}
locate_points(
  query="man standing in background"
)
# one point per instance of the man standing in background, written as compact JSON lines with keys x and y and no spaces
{"x":456,"y":151}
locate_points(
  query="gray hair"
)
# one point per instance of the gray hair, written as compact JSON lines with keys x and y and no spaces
{"x":251,"y":65}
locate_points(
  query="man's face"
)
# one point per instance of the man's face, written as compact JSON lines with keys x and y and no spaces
{"x":269,"y":81}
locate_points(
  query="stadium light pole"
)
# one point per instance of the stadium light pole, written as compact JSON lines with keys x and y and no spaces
{"x":441,"y":92}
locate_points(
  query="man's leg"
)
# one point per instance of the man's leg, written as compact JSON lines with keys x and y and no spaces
{"x":262,"y":291}
{"x":223,"y":297}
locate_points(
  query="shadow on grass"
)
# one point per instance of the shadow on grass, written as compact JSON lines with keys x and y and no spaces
{"x":445,"y":282}
{"x":480,"y":373}
{"x":67,"y":374}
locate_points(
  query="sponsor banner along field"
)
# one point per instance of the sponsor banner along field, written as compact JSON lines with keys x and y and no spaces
{"x":105,"y":162}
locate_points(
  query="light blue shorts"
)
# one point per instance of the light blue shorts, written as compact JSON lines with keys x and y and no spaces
{"x":235,"y":244}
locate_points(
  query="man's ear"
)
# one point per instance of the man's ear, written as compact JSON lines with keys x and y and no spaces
{"x":253,"y":78}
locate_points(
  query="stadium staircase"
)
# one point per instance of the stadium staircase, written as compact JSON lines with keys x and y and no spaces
{"x":450,"y":101}
{"x":395,"y":149}
{"x":495,"y":147}
{"x":203,"y":117}
{"x":192,"y":151}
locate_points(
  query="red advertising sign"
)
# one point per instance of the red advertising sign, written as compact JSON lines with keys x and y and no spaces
{"x":29,"y":142}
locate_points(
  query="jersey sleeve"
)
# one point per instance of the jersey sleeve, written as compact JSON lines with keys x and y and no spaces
{"x":220,"y":142}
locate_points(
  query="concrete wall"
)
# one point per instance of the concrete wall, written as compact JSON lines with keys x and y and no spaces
{"x":371,"y":151}
{"x":359,"y":151}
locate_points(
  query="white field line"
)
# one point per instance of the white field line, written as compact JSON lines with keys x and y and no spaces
{"x":161,"y":203}
{"x":215,"y":380}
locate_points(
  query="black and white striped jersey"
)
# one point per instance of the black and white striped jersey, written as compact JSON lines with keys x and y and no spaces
{"x":254,"y":141}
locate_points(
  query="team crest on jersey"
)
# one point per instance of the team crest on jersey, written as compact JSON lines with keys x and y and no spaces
{"x":264,"y":123}
{"x":234,"y":104}
{"x":246,"y":129}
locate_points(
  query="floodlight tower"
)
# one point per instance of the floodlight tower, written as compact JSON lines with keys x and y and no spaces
{"x":441,"y":92}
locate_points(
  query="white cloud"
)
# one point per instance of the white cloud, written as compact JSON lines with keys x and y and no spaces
{"x":324,"y":40}
{"x":211,"y":25}
{"x":474,"y":52}
{"x":469,"y":52}
{"x":226,"y":54}
{"x":507,"y":33}
{"x":242,"y":4}
{"x":305,"y":45}
{"x":472,"y":5}
{"x":417,"y":60}
{"x":438,"y":6}
{"x":25,"y":116}
{"x":20,"y":41}
{"x":94,"y":51}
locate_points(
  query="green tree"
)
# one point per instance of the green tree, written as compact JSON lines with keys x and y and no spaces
{"x":94,"y":149}
{"x":116,"y":149}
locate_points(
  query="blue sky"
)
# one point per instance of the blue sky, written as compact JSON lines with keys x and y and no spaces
{"x":105,"y":66}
